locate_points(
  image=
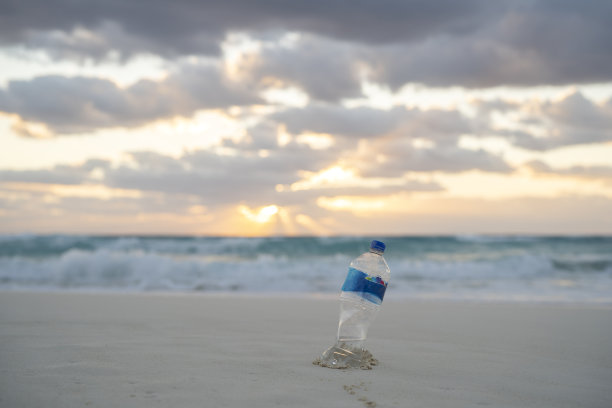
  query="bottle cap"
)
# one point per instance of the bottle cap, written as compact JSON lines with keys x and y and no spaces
{"x":377,"y":246}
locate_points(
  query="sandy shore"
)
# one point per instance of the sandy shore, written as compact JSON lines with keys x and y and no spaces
{"x":146,"y":350}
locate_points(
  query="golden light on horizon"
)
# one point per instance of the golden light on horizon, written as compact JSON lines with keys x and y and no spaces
{"x":311,"y":225}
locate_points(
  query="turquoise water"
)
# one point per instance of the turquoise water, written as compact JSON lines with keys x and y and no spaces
{"x":510,"y":268}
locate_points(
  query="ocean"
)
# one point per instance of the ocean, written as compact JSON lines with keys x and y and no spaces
{"x":474,"y":268}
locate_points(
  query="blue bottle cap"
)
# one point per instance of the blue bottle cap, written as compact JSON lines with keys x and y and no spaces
{"x":378,"y":246}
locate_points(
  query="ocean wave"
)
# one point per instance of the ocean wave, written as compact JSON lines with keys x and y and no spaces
{"x":421,"y":266}
{"x":497,"y":238}
{"x":142,"y":270}
{"x":583,"y":265}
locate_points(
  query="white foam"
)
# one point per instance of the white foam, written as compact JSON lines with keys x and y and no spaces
{"x":427,"y":269}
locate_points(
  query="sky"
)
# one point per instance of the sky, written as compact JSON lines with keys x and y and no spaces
{"x":251,"y":118}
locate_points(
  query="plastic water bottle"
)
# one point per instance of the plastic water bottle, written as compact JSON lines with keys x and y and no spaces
{"x":362,"y":294}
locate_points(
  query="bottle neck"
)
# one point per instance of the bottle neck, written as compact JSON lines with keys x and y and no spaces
{"x":376,"y":252}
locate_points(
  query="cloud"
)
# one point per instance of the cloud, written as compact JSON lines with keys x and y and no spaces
{"x":242,"y":176}
{"x":523,"y":44}
{"x":186,"y":27}
{"x":393,"y":135}
{"x":400,"y":156}
{"x":364,"y":122}
{"x":326,"y":70}
{"x":234,"y":173}
{"x":261,"y":136}
{"x":576,"y":111}
{"x":474,"y":43}
{"x":82,"y":104}
{"x":572,"y":120}
{"x":336,"y":120}
{"x":501,"y":44}
{"x":59,"y":174}
{"x":593,"y":173}
{"x":214,"y":178}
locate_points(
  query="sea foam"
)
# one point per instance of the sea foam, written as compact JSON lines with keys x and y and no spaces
{"x":464,"y":267}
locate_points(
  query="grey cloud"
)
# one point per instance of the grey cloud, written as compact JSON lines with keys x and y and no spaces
{"x":530,"y":43}
{"x":474,"y":43}
{"x":392,"y":133}
{"x":571,"y":121}
{"x":363,"y":122}
{"x":110,"y":39}
{"x":401,"y":157}
{"x":595,"y":173}
{"x":81,"y":104}
{"x":60,"y":174}
{"x":438,"y":126}
{"x":262,"y":136}
{"x":219,"y":179}
{"x":579,"y":112}
{"x":214,"y":179}
{"x":233,"y":179}
{"x":488,"y":106}
{"x":186,"y":27}
{"x":56,"y":176}
{"x":473,"y":62}
{"x":326,"y":70}
{"x":336,"y":120}
{"x":512,"y":43}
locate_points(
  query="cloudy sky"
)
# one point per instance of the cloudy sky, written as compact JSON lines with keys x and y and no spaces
{"x":244,"y":117}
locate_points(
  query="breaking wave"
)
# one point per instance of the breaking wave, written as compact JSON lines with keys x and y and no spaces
{"x":462,"y":267}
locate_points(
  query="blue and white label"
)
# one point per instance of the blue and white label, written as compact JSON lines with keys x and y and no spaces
{"x":369,"y":287}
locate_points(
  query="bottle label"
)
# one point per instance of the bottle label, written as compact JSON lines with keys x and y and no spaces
{"x":371,"y":288}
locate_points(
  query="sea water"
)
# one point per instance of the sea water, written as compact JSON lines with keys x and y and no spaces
{"x":481,"y":268}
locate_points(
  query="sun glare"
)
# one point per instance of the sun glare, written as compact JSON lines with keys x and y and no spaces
{"x":351,"y":203}
{"x":263,"y":215}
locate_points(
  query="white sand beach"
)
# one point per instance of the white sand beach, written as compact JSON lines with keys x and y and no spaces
{"x":155,"y":350}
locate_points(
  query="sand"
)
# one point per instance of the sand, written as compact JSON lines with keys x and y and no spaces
{"x":152,"y":350}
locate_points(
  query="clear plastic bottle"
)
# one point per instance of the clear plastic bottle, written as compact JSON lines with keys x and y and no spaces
{"x":362,"y":294}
